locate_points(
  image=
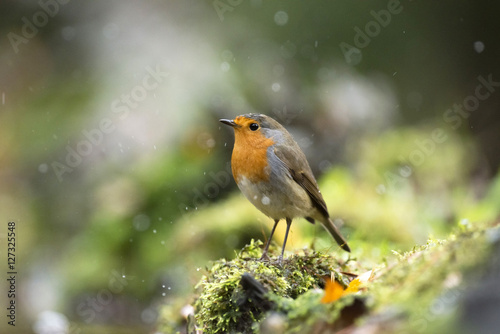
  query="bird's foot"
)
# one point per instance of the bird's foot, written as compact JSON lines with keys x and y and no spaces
{"x":265,"y":257}
{"x":277,"y":261}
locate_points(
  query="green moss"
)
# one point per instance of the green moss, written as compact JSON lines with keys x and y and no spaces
{"x":424,"y":284}
{"x":289,"y":286}
{"x":406,"y":292}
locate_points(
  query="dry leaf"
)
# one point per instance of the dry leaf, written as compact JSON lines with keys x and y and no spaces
{"x":333,"y":289}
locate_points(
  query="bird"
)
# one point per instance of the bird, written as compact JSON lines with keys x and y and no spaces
{"x":272,"y":172}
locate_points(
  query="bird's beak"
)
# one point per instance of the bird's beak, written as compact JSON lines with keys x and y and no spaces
{"x":229,"y":122}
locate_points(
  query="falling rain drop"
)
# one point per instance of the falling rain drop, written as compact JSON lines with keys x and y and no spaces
{"x":281,"y":18}
{"x":141,"y":222}
{"x":43,"y":168}
{"x":225,"y":67}
{"x":478,"y":46}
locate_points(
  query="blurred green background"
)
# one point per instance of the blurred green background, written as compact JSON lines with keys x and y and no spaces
{"x":116,"y":170}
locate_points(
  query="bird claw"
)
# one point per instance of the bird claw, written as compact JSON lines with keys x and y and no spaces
{"x":265,"y":257}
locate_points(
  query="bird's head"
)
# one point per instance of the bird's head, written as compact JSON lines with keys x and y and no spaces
{"x":255,"y":127}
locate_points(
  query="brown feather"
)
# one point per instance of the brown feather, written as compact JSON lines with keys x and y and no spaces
{"x":307,"y":181}
{"x":303,"y":177}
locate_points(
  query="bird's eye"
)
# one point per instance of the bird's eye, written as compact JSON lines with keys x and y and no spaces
{"x":254,"y":126}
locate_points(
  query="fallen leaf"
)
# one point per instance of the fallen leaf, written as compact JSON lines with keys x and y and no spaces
{"x":353,"y":286}
{"x":333,"y":291}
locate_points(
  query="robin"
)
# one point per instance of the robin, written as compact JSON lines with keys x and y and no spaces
{"x":273,"y":173}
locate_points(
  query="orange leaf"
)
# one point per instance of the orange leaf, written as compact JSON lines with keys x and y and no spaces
{"x":353,"y":286}
{"x":333,"y":291}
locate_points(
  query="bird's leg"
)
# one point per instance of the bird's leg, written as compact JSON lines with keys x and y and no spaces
{"x":288,"y":224}
{"x":264,"y":254}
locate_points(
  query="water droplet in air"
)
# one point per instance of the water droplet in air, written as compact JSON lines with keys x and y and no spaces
{"x":478,"y":46}
{"x":225,"y":67}
{"x":43,"y":168}
{"x":141,"y":222}
{"x":281,"y":18}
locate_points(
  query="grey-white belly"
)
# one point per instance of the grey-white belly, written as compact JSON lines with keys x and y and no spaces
{"x":284,"y":199}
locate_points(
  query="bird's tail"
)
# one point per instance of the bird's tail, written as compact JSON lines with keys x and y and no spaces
{"x":334,"y":231}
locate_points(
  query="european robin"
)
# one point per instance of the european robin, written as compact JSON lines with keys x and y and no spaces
{"x":273,"y":173}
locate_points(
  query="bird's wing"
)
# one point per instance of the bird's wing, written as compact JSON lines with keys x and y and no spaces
{"x":303,"y":176}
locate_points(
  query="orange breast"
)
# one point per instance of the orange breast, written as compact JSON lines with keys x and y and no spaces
{"x":249,"y":157}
